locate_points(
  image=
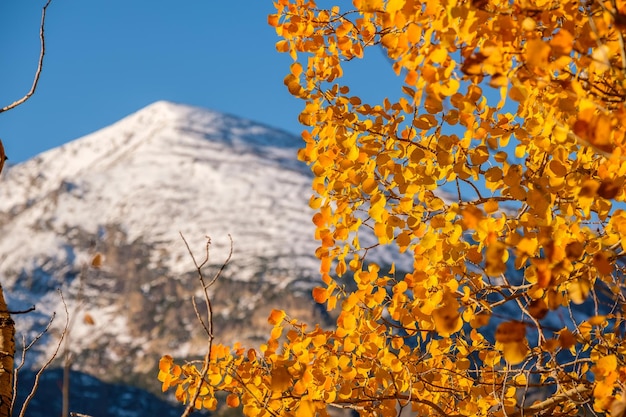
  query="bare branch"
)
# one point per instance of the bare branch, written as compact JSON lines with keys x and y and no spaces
{"x":208,"y":324}
{"x":49,"y":361}
{"x":28,"y":310}
{"x":39,"y":65}
{"x":582,"y":391}
{"x":26,"y":348}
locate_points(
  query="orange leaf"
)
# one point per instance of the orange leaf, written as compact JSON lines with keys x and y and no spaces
{"x":510,"y":331}
{"x":602,"y":263}
{"x":232,"y":400}
{"x":320,"y":295}
{"x":88,"y":319}
{"x":97,"y":260}
{"x":537,"y":53}
{"x":515,"y":352}
{"x":276,"y":316}
{"x":562,"y":42}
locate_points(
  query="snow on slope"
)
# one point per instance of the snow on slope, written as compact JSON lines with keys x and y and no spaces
{"x":165,"y":169}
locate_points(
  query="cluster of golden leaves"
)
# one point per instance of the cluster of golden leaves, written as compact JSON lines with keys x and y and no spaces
{"x":518,"y":108}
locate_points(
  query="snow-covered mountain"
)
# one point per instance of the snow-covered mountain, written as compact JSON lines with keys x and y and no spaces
{"x":127,"y":191}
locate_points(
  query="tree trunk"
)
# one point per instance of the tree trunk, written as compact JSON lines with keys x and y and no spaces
{"x":7,"y":352}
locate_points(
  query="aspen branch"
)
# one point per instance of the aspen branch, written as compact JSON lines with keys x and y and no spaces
{"x":579,"y":390}
{"x":39,"y":65}
{"x":208,"y":324}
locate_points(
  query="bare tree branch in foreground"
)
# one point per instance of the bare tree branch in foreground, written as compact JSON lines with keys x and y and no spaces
{"x":208,"y":324}
{"x":48,"y":362}
{"x":39,"y":65}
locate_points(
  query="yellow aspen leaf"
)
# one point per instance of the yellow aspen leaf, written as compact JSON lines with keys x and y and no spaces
{"x":428,"y":241}
{"x":480,"y":320}
{"x":515,"y":352}
{"x":543,"y":273}
{"x":566,"y":339}
{"x":280,"y":379}
{"x":600,"y":57}
{"x":562,"y":43}
{"x":394,"y":5}
{"x":88,"y":319}
{"x":348,"y":321}
{"x":498,"y":80}
{"x":344,"y":29}
{"x":411,"y":78}
{"x":320,"y":295}
{"x":296,"y":69}
{"x":433,"y":104}
{"x":472,"y":216}
{"x":578,"y":290}
{"x":602,"y":263}
{"x":403,"y":240}
{"x":439,"y":55}
{"x":369,"y":185}
{"x":447,"y":318}
{"x":537,"y":53}
{"x":495,"y":258}
{"x":473,"y":65}
{"x":369,"y":5}
{"x":276,"y":317}
{"x":449,"y":88}
{"x":610,"y":189}
{"x":424,"y":122}
{"x":491,"y":206}
{"x":97,"y":260}
{"x":538,"y":309}
{"x":599,"y":133}
{"x":165,"y":363}
{"x":510,"y":331}
{"x":282,"y":46}
{"x":345,"y":392}
{"x":210,"y":403}
{"x":597,"y":320}
{"x":273,"y":20}
{"x":527,"y":246}
{"x":529,"y":24}
{"x":379,"y":296}
{"x":550,"y":345}
{"x":606,"y":365}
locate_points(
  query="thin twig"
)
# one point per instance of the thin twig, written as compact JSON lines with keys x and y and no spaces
{"x":39,"y":65}
{"x":26,"y":348}
{"x":49,"y":361}
{"x":28,"y":310}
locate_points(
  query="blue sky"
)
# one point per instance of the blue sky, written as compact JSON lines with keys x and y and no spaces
{"x":107,"y":59}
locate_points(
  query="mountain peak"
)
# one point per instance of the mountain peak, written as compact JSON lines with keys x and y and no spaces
{"x":213,"y":125}
{"x":163,"y":169}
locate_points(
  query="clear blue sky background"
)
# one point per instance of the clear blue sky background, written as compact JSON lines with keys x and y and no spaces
{"x":106,"y":59}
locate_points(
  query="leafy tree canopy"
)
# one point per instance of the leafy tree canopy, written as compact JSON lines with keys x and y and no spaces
{"x":515,"y":301}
